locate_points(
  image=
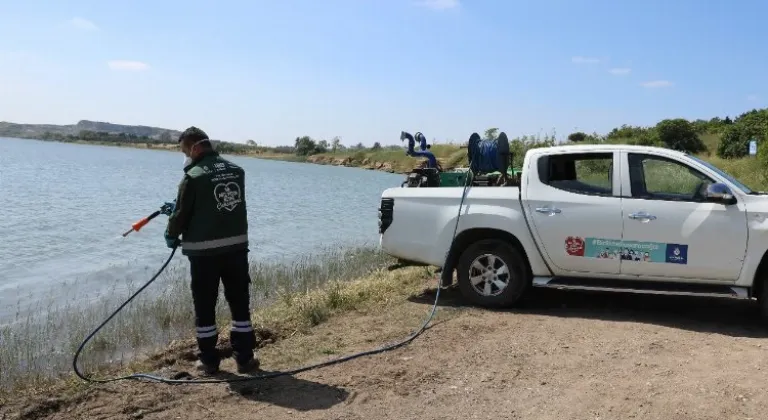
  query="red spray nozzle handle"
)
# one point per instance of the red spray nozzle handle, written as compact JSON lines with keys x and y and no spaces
{"x":140,"y":224}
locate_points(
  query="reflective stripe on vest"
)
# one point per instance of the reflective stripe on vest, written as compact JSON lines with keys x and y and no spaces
{"x":214,"y":243}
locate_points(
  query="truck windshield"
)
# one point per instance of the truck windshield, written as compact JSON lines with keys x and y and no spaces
{"x":733,"y":180}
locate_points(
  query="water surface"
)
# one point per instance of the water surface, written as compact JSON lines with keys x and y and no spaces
{"x":66,"y":206}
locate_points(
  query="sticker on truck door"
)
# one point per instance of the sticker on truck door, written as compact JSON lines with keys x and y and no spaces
{"x":574,"y":245}
{"x":677,"y":254}
{"x":654,"y":252}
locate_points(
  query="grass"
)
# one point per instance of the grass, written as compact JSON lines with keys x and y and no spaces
{"x":376,"y":294}
{"x":285,"y":297}
{"x":747,"y":170}
{"x":391,"y":158}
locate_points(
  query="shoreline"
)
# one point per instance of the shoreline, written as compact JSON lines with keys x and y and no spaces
{"x":153,"y":322}
{"x":402,"y":165}
{"x":394,"y":160}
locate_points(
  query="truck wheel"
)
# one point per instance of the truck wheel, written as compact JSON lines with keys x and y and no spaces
{"x":492,"y":274}
{"x":762,"y":302}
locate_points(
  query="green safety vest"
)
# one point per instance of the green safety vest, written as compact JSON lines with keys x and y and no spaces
{"x":218,"y":220}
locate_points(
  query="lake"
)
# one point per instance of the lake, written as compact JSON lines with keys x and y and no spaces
{"x":67,"y":206}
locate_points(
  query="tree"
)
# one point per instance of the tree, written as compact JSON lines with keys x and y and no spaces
{"x":376,"y":146}
{"x":335,"y":144}
{"x":491,"y":133}
{"x":304,"y":146}
{"x":754,"y":123}
{"x":679,"y":134}
{"x":577,"y":137}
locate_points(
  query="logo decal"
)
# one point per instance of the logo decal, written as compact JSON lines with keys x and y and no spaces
{"x":574,"y":245}
{"x":227,"y":195}
{"x":635,"y":251}
{"x":677,"y":254}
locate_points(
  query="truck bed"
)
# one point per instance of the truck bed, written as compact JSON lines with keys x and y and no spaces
{"x":419,"y":222}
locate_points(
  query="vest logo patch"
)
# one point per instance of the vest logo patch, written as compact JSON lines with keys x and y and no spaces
{"x":227,"y":195}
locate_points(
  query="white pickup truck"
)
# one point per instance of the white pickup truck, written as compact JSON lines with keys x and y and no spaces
{"x":602,"y":217}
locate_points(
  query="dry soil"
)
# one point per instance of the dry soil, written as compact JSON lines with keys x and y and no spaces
{"x":562,"y":355}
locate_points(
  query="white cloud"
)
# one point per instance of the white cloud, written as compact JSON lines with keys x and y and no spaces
{"x":753,"y":98}
{"x":620,"y":71}
{"x":440,"y":4}
{"x":657,"y":84}
{"x":127,"y":65}
{"x":584,"y":60}
{"x":83,"y":24}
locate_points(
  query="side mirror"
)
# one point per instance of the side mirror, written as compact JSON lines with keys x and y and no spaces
{"x":719,"y":193}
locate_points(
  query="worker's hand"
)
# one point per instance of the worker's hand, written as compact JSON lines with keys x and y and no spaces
{"x":168,"y":208}
{"x":171,"y":242}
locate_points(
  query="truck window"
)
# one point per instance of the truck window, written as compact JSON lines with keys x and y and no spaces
{"x":660,"y":178}
{"x":580,"y":173}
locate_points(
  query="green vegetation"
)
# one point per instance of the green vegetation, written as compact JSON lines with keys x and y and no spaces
{"x":724,"y":142}
{"x":287,"y":298}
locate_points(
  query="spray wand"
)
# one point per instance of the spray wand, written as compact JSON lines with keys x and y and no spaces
{"x":167,"y":208}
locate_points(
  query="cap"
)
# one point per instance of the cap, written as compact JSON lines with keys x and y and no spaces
{"x":194,"y":134}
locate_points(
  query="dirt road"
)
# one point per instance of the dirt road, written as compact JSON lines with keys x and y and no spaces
{"x":564,"y":355}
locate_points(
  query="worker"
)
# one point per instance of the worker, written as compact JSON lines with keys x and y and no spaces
{"x":210,"y":216}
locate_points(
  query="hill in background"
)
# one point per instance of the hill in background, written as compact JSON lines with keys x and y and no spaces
{"x":42,"y":131}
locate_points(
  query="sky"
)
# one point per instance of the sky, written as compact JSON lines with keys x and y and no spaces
{"x":365,"y":70}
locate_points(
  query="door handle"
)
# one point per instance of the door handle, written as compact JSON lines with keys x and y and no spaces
{"x":548,"y":210}
{"x":642,"y":216}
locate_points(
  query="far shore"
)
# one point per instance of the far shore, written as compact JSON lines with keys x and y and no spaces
{"x":403,"y":164}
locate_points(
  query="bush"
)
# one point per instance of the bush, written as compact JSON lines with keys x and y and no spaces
{"x":679,"y":134}
{"x":626,"y":132}
{"x":577,"y":137}
{"x":754,"y":123}
{"x":762,"y":158}
{"x":734,"y":143}
{"x":650,"y":138}
{"x":358,"y":157}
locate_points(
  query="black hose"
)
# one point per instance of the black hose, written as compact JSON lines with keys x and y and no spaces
{"x":271,"y":374}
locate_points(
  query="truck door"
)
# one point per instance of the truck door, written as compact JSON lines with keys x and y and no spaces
{"x":573,"y":204}
{"x":676,"y":233}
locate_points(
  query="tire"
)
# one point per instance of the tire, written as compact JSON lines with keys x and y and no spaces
{"x":762,"y":303}
{"x":513,"y":284}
